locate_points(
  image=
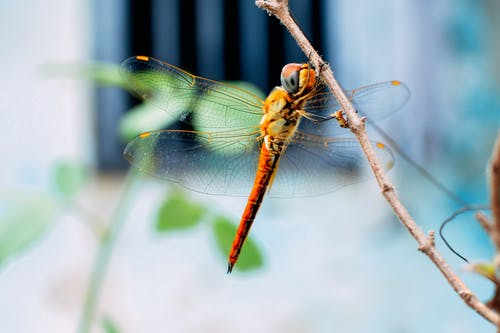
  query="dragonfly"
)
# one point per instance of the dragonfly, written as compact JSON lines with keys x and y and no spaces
{"x":243,"y":145}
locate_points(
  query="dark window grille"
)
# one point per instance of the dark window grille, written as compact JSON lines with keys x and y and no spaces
{"x":218,"y":39}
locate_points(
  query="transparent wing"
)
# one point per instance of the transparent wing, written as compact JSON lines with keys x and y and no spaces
{"x":214,"y":163}
{"x":225,"y":163}
{"x":313,"y":165}
{"x":205,"y":104}
{"x":375,"y":101}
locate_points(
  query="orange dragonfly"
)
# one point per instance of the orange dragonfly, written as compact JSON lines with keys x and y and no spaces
{"x":241,"y":144}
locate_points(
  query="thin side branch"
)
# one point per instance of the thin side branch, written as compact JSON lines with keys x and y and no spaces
{"x":279,"y":8}
{"x":495,"y":192}
{"x":484,"y":222}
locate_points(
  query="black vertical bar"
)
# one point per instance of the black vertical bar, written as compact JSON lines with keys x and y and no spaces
{"x":301,"y":13}
{"x":317,"y":25}
{"x":254,"y":45}
{"x":140,"y":19}
{"x":139,"y":32}
{"x":187,"y":40}
{"x":232,"y":65}
{"x":276,"y":51}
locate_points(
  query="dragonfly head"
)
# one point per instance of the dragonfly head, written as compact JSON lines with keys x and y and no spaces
{"x":298,"y":79}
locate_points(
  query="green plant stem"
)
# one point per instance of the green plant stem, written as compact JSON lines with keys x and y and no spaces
{"x":92,"y":220}
{"x":102,"y":258}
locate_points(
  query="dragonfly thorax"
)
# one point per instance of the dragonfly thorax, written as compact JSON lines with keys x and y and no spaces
{"x":280,"y":120}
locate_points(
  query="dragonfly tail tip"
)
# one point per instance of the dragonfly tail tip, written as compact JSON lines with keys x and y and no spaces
{"x":229,"y":268}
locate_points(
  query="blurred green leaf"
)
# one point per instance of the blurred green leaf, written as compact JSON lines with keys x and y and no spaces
{"x":142,"y":118}
{"x":248,"y":87}
{"x":486,"y":269}
{"x":70,"y":177}
{"x":100,"y":73}
{"x":24,"y":218}
{"x":250,"y":256}
{"x":178,"y":213}
{"x":107,"y":75}
{"x":103,"y":74}
{"x":109,"y":325}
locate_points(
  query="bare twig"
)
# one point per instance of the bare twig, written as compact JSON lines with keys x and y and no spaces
{"x":484,"y":222}
{"x":279,"y":8}
{"x":495,"y":192}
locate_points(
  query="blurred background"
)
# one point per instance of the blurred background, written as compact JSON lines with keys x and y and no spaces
{"x":339,"y":262}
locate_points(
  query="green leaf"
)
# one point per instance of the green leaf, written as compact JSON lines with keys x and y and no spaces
{"x":248,"y":87}
{"x":142,"y":118}
{"x":486,"y":269}
{"x":109,"y":325}
{"x":178,"y":213}
{"x":100,"y":73}
{"x":69,"y":177}
{"x":24,"y":218}
{"x":250,"y":256}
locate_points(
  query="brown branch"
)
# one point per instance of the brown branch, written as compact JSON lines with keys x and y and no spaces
{"x":484,"y":222}
{"x":279,"y":8}
{"x":495,"y":192}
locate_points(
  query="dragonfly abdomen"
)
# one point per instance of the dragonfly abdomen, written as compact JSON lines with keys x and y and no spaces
{"x":267,"y":166}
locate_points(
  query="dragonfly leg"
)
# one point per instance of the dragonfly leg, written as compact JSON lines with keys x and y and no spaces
{"x":337,"y":115}
{"x":316,"y":119}
{"x":342,"y":120}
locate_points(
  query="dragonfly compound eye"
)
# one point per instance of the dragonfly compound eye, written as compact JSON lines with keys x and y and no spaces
{"x":290,"y":78}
